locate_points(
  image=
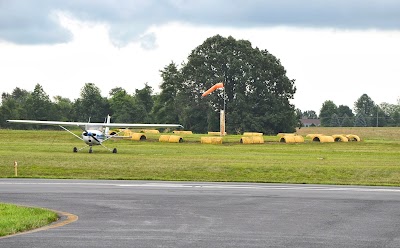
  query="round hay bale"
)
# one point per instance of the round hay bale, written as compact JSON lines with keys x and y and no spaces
{"x":138,"y":136}
{"x":285,"y":134}
{"x":149,"y":131}
{"x":258,"y":139}
{"x":211,"y":140}
{"x":353,"y":137}
{"x":292,"y":139}
{"x":215,"y":133}
{"x":252,"y":140}
{"x":313,"y":135}
{"x":128,"y":133}
{"x":182,"y":132}
{"x":340,"y":138}
{"x":298,"y":139}
{"x":246,"y":140}
{"x":164,"y":138}
{"x":323,"y":139}
{"x":170,"y":138}
{"x":287,"y":139}
{"x":113,"y":132}
{"x":175,"y":139}
{"x":252,"y":134}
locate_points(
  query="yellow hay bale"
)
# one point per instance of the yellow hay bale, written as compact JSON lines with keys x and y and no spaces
{"x":149,"y":131}
{"x":323,"y":139}
{"x":252,"y":140}
{"x":252,"y":134}
{"x":182,"y":132}
{"x":285,"y":134}
{"x":340,"y":138}
{"x":258,"y":139}
{"x":246,"y":140}
{"x":126,"y":132}
{"x":138,"y":136}
{"x":299,"y":139}
{"x":292,"y":139}
{"x":113,"y":132}
{"x":211,"y":140}
{"x":170,"y":139}
{"x":215,"y":133}
{"x":164,"y":138}
{"x":353,"y":137}
{"x":175,"y":139}
{"x":313,"y":135}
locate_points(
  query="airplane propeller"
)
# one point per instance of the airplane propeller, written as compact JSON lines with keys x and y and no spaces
{"x":90,"y":134}
{"x":93,"y":136}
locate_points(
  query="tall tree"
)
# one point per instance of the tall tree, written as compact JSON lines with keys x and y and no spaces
{"x":257,"y":88}
{"x":360,"y":120}
{"x":328,"y":109}
{"x":347,"y":121}
{"x":335,"y":122}
{"x":366,"y":106}
{"x":123,"y":107}
{"x":13,"y":106}
{"x":310,"y":114}
{"x":39,"y":106}
{"x":144,"y":102}
{"x":396,"y":119}
{"x":168,"y":106}
{"x":91,"y":105}
{"x":63,"y":109}
{"x":344,"y":110}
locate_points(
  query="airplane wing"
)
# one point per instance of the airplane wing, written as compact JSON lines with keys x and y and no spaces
{"x":50,"y":123}
{"x":79,"y":124}
{"x":138,"y":125}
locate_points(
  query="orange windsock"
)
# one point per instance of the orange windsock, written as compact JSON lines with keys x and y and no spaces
{"x":214,"y":87}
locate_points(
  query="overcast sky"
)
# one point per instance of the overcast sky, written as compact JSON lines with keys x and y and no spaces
{"x":335,"y":49}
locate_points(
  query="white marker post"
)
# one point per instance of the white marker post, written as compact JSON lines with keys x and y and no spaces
{"x":16,"y":168}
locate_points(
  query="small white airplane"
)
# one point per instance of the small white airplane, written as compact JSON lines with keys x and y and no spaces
{"x":95,"y":133}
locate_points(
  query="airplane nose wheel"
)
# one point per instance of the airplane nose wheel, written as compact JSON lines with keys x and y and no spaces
{"x":90,"y":150}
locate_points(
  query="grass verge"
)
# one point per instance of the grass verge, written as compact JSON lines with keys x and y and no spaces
{"x":15,"y":219}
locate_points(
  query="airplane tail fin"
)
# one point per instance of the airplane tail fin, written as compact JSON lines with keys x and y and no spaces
{"x":107,"y":131}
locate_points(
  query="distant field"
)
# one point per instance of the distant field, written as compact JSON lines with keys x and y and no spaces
{"x":48,"y":154}
{"x":388,"y":134}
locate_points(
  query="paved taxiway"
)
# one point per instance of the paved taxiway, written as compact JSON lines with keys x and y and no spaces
{"x":185,"y":214}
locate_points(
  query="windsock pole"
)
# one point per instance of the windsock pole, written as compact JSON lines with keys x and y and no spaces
{"x":222,"y":118}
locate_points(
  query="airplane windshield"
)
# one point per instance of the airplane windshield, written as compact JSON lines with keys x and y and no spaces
{"x":99,"y":128}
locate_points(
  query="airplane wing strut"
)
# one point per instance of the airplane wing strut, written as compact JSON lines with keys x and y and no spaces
{"x":71,"y":132}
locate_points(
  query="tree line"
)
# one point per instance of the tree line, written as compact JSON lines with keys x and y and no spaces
{"x":366,"y":114}
{"x":257,"y":94}
{"x":256,"y":97}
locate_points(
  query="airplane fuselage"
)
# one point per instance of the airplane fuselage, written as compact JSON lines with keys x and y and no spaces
{"x":93,"y":137}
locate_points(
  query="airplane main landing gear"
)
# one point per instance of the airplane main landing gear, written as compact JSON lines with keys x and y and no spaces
{"x":114,"y":150}
{"x":75,"y":149}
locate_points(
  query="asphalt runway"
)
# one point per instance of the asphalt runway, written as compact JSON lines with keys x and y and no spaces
{"x":188,"y":214}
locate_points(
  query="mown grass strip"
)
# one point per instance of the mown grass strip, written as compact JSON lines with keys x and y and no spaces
{"x":48,"y":154}
{"x":15,"y":219}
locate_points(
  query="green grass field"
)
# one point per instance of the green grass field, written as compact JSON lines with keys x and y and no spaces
{"x":14,"y":219}
{"x":48,"y":154}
